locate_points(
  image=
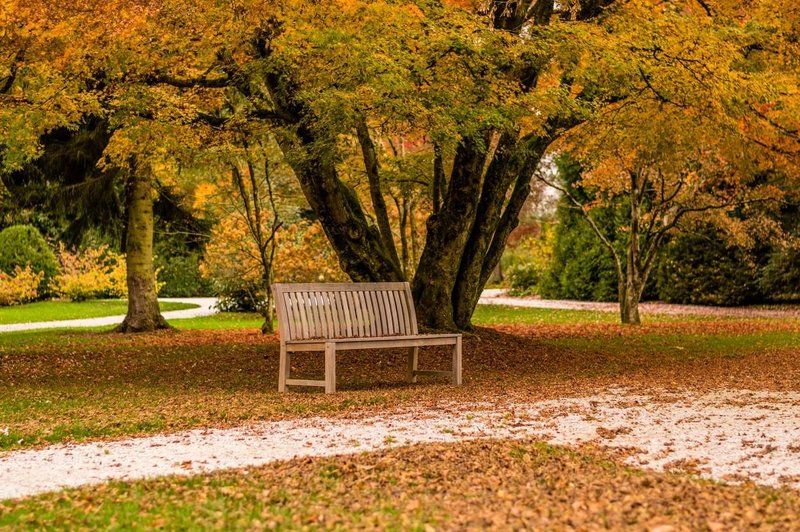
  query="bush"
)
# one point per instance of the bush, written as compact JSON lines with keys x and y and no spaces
{"x":582,"y":268}
{"x":19,"y":287}
{"x":180,"y":276}
{"x":303,"y":254}
{"x":24,"y":245}
{"x":700,"y":268}
{"x":524,"y":279}
{"x":91,"y":273}
{"x":780,"y":278}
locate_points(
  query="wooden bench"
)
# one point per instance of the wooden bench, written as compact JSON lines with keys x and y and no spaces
{"x":330,"y":317}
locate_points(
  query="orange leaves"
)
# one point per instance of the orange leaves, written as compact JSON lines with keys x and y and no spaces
{"x":303,"y":254}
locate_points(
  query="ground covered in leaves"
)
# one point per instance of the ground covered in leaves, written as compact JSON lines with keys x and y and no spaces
{"x":475,"y":485}
{"x":72,"y":386}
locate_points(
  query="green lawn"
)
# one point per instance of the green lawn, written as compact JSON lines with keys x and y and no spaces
{"x":66,"y":310}
{"x":484,"y":315}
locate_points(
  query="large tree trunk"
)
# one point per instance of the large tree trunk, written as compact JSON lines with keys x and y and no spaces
{"x":448,"y":231}
{"x":143,"y":311}
{"x":512,"y":164}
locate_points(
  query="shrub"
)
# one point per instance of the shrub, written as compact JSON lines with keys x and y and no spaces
{"x":19,"y":287}
{"x":91,"y":273}
{"x":180,"y":276}
{"x":701,"y":268}
{"x":24,"y":245}
{"x":582,"y":268}
{"x":524,"y":279}
{"x":780,"y":277}
{"x":303,"y":254}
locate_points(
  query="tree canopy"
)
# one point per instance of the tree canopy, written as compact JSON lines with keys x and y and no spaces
{"x":479,"y":91}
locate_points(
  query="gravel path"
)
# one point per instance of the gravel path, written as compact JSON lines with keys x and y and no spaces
{"x":206,"y":307}
{"x":730,"y":435}
{"x":495,"y":296}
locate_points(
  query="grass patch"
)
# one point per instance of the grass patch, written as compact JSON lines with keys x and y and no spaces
{"x":68,"y":310}
{"x":223,"y":320}
{"x":472,"y":485}
{"x":506,"y":315}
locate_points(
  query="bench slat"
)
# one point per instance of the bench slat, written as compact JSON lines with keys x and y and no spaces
{"x":344,"y":310}
{"x":345,"y":344}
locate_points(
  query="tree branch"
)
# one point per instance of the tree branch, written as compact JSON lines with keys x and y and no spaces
{"x":373,"y":176}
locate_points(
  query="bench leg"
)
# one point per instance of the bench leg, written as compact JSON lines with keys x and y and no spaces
{"x":457,"y":362}
{"x":330,"y":367}
{"x":283,"y":369}
{"x":413,"y":362}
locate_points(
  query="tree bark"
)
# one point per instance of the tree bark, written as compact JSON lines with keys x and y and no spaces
{"x":143,"y":312}
{"x":448,"y":232}
{"x":375,"y":192}
{"x":629,"y":295}
{"x":513,"y":163}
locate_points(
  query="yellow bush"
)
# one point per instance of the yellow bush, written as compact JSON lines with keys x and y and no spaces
{"x":91,"y":273}
{"x":21,"y":287}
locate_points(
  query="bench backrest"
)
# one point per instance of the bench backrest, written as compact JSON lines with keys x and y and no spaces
{"x":344,"y":310}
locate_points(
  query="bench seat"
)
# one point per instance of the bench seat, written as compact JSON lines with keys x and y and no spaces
{"x":331,"y":317}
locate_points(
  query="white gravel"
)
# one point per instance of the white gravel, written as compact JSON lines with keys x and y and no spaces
{"x":731,"y":435}
{"x":206,"y":306}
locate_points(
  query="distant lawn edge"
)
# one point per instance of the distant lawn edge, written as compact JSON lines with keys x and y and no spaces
{"x":56,"y":310}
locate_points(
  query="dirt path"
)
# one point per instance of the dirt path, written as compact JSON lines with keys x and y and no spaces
{"x":499,"y":297}
{"x":731,"y":435}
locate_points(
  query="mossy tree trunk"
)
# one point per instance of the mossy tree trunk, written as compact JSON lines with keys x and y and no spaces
{"x":143,"y":312}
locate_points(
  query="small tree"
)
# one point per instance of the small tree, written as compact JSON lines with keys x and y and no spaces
{"x":663,"y":172}
{"x":254,"y":200}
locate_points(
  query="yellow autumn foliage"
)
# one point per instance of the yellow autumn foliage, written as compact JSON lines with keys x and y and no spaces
{"x":20,"y":287}
{"x":91,"y":273}
{"x":303,"y":254}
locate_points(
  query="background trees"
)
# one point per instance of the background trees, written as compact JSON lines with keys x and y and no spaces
{"x":411,"y":128}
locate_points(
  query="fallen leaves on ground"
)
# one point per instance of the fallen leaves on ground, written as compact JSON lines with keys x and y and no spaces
{"x":87,"y":385}
{"x":474,"y":485}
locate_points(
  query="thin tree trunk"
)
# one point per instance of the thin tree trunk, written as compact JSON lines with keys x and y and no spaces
{"x":412,"y":225}
{"x":267,"y":327}
{"x":143,"y":312}
{"x":438,"y":178}
{"x":376,"y":193}
{"x":629,"y":308}
{"x":629,"y":294}
{"x":402,"y":209}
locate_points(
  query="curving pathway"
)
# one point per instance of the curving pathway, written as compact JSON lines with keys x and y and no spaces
{"x":206,"y":306}
{"x":497,"y":296}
